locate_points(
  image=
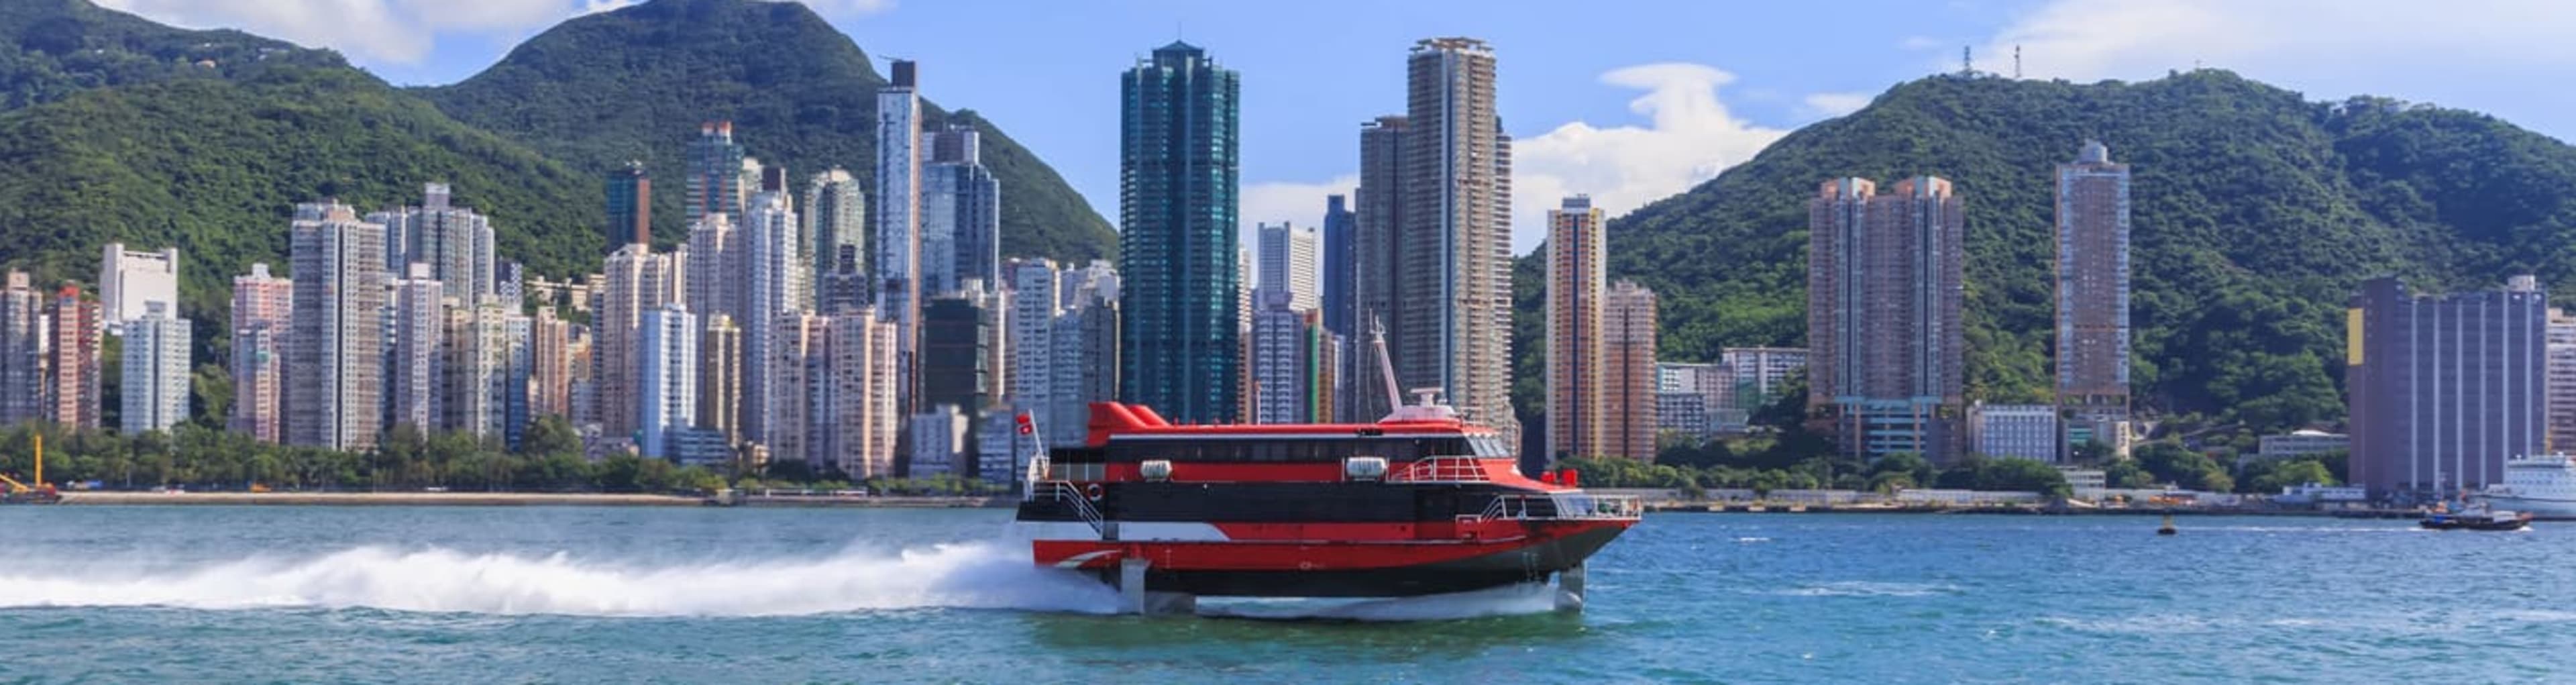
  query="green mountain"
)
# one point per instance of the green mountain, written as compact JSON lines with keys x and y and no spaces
{"x":206,"y":139}
{"x":2255,"y":213}
{"x":61,"y":47}
{"x":635,"y":83}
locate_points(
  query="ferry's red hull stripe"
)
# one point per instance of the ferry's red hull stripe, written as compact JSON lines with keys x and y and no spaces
{"x":1331,"y":551}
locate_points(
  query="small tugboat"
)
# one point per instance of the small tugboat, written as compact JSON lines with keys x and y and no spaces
{"x":2474,"y":517}
{"x":1419,"y":503}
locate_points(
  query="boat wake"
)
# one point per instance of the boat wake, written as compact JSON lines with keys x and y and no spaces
{"x":972,"y":575}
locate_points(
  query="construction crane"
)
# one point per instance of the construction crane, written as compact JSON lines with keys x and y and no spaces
{"x":40,"y":493}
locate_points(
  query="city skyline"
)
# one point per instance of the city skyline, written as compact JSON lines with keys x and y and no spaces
{"x":1637,"y":110}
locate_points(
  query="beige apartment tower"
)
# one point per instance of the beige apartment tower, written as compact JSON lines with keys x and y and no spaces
{"x":1452,"y":314}
{"x":1575,"y":281}
{"x":1628,"y":380}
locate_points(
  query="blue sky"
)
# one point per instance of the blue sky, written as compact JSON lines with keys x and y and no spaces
{"x":1627,"y":101}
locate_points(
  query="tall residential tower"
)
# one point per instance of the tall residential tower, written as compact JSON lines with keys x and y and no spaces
{"x":1179,"y":175}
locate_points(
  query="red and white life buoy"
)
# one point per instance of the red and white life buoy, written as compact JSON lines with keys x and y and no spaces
{"x":1092,"y":491}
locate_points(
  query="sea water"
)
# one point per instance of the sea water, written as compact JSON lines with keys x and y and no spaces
{"x":578,"y":595}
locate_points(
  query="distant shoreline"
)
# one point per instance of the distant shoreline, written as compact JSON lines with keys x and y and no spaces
{"x":491,"y":499}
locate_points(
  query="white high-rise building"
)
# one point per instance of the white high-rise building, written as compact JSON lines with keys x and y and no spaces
{"x":2027,"y":431}
{"x":938,"y":440}
{"x":335,"y":363}
{"x":668,"y":378}
{"x":1078,"y":287}
{"x":456,"y":243}
{"x":716,"y":266}
{"x":1283,"y":361}
{"x":1031,"y":324}
{"x":1290,"y":261}
{"x":773,"y":281}
{"x":898,"y":221}
{"x":127,"y":280}
{"x":836,"y":406}
{"x":415,"y":364}
{"x":1084,"y":361}
{"x":156,"y":369}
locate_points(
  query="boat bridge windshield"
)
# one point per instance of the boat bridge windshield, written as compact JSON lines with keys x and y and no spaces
{"x":1286,"y":449}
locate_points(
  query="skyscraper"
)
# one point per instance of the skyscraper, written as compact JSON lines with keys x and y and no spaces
{"x":2443,"y":389}
{"x":956,"y":352}
{"x":1628,"y":382}
{"x":550,"y":366}
{"x":263,"y":313}
{"x":666,"y":379}
{"x":22,"y":351}
{"x":155,"y":380}
{"x":1454,"y":282}
{"x":715,"y":174}
{"x":720,"y":377}
{"x":836,"y":218}
{"x":716,"y":265}
{"x":772,"y":273}
{"x":1288,"y":262}
{"x":1883,"y":299}
{"x":630,"y":206}
{"x":2092,"y":291}
{"x":335,"y":363}
{"x":1340,"y":293}
{"x":898,"y":223}
{"x":415,"y":368}
{"x":481,"y":359}
{"x":2561,"y":384}
{"x":1376,"y":269}
{"x":1179,"y":178}
{"x":1085,"y":365}
{"x":841,"y":411}
{"x":127,"y":279}
{"x":638,"y":282}
{"x":961,"y":214}
{"x":73,"y":359}
{"x":1033,"y":296}
{"x":1287,"y":359}
{"x":455,"y":242}
{"x":1577,"y":390}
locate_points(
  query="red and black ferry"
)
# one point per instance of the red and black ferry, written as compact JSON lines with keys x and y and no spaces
{"x":1419,"y":503}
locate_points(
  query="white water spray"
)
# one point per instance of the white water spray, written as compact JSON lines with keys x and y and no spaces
{"x":441,"y":580}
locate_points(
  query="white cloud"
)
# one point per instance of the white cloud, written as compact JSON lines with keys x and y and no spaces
{"x":1836,"y":104}
{"x":2094,"y":39}
{"x":1297,"y":203}
{"x":1688,"y":138}
{"x":398,"y":31}
{"x":1918,"y":43}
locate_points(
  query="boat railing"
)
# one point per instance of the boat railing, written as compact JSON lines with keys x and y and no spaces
{"x":1564,"y":507}
{"x":1442,"y":470}
{"x":1064,"y":491}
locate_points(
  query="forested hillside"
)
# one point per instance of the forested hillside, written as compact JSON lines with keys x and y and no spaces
{"x":635,"y":83}
{"x":2255,"y":212}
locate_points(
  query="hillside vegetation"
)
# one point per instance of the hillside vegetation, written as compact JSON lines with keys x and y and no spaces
{"x":635,"y":83}
{"x":2254,"y":214}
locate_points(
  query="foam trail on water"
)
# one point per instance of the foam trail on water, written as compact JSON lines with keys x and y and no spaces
{"x":973,"y":575}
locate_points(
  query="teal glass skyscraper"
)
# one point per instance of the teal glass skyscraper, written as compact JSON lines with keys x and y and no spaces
{"x":1181,"y":343}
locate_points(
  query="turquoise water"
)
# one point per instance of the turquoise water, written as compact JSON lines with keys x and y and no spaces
{"x":579,"y":595}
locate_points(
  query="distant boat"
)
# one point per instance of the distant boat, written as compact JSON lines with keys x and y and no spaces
{"x":2475,"y":517}
{"x":2543,"y":486}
